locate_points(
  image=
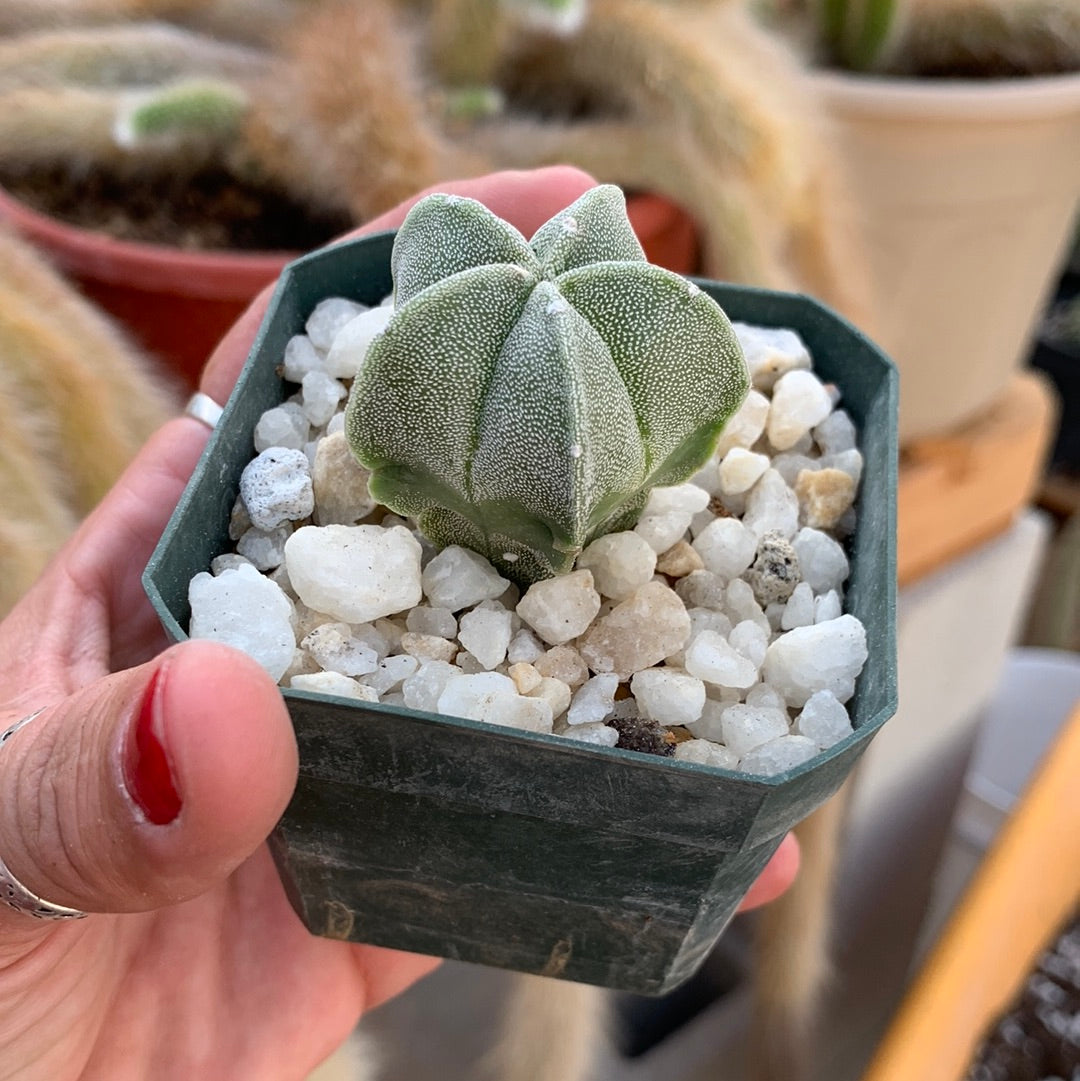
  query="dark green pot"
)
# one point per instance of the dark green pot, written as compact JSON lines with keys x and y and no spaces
{"x":464,"y":840}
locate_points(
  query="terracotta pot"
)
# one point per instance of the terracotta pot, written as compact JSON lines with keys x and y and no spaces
{"x":964,"y":194}
{"x":178,"y":304}
{"x":486,"y":844}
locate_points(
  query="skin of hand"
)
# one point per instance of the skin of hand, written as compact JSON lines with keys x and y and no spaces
{"x":144,"y":792}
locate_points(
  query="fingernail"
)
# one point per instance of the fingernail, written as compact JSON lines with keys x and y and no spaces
{"x":146,"y":765}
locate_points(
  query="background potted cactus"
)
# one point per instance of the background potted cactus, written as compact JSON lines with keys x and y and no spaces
{"x":521,"y":402}
{"x":960,"y":124}
{"x":726,"y":175}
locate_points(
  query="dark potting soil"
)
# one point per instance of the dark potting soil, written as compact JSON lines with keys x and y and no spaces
{"x":206,"y":211}
{"x":1038,"y":1039}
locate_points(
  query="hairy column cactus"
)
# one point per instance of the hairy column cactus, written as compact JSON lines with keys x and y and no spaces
{"x":527,"y":395}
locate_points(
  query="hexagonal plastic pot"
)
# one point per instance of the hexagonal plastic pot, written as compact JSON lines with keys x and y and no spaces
{"x":476,"y":842}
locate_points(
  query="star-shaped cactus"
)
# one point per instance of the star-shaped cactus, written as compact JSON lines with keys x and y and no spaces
{"x":527,"y":395}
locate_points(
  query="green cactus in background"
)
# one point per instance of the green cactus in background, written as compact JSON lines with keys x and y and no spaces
{"x":207,"y":109}
{"x":527,"y":395}
{"x":857,"y":32}
{"x":952,"y":38}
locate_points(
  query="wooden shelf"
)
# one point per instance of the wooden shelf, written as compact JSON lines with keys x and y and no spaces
{"x":957,"y":491}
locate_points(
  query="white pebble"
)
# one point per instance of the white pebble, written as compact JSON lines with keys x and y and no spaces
{"x":824,"y":719}
{"x":827,"y":607}
{"x":355,"y":573}
{"x":336,"y":650}
{"x":457,"y":578}
{"x":423,"y":688}
{"x":751,"y":640}
{"x":300,"y":358}
{"x":741,"y":469}
{"x":353,"y":341}
{"x":770,"y":352}
{"x":799,"y":610}
{"x":825,"y":657}
{"x":762,"y":694}
{"x":524,"y":647}
{"x":428,"y":647}
{"x":319,"y":397}
{"x":328,"y":318}
{"x":668,"y":512}
{"x":771,"y":506}
{"x":594,"y":700}
{"x":485,"y":632}
{"x":283,"y":426}
{"x":561,"y":608}
{"x":244,"y":609}
{"x":424,"y":619}
{"x":849,"y":461}
{"x":778,"y":756}
{"x":710,"y":657}
{"x":704,"y":752}
{"x":555,"y":692}
{"x":391,"y":673}
{"x":836,"y":433}
{"x":799,"y":402}
{"x":667,"y":696}
{"x":710,"y":725}
{"x":276,"y":487}
{"x":746,"y":426}
{"x":333,"y":683}
{"x":747,"y":727}
{"x":601,"y":735}
{"x":726,"y":547}
{"x":491,"y":697}
{"x":822,"y":561}
{"x":741,"y":604}
{"x":619,"y":563}
{"x":264,"y":549}
{"x":227,"y":561}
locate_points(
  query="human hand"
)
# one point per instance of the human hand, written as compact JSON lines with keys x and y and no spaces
{"x":144,"y":791}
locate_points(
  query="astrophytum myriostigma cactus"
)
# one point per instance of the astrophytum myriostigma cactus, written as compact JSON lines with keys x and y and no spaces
{"x":527,"y":395}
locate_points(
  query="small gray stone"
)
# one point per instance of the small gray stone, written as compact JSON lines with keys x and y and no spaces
{"x":276,"y":487}
{"x":774,"y":573}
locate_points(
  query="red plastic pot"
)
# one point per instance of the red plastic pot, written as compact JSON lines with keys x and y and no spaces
{"x":178,"y":303}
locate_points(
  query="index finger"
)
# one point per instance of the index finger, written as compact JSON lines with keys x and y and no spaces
{"x":525,"y":199}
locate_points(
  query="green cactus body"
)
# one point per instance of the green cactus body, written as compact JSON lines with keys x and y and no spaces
{"x":194,"y":108}
{"x":527,"y":395}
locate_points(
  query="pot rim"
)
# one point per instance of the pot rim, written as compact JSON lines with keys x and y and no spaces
{"x":940,"y":99}
{"x":222,"y":274}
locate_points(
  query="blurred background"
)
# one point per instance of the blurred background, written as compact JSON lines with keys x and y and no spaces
{"x":915,"y":164}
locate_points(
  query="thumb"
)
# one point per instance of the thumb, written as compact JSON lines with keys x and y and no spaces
{"x":149,"y":786}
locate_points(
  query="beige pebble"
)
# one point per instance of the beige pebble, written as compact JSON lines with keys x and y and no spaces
{"x":825,"y":495}
{"x":340,"y":483}
{"x":679,"y":560}
{"x":526,"y":678}
{"x":565,"y":663}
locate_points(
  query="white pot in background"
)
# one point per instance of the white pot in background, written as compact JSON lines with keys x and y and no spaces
{"x":964,"y":194}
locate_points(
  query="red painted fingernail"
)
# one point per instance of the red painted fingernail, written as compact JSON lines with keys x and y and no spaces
{"x":146,"y":766}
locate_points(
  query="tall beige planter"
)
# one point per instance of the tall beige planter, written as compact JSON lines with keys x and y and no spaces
{"x":964,"y":193}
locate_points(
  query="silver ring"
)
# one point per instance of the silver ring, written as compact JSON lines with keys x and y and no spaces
{"x":203,"y":407}
{"x":12,"y":892}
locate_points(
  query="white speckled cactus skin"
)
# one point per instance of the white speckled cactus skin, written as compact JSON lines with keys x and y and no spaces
{"x":527,"y":395}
